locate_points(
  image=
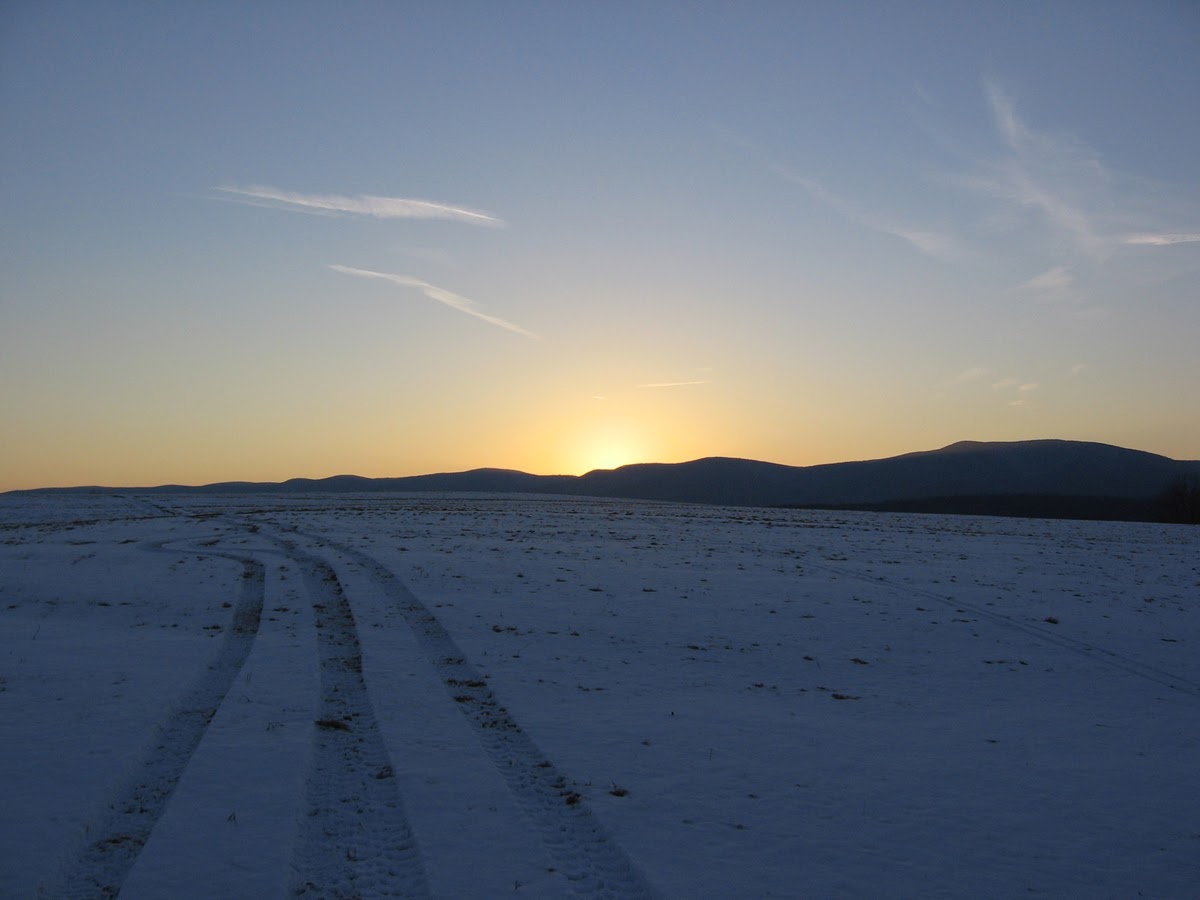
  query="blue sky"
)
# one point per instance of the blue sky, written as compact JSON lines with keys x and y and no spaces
{"x":303,"y":239}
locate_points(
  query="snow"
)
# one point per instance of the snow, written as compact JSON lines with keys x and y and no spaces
{"x":543,"y":697}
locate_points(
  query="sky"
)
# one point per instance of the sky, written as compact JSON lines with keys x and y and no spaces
{"x":262,"y":241}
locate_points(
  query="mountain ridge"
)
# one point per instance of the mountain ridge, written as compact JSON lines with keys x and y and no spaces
{"x":1082,"y":478}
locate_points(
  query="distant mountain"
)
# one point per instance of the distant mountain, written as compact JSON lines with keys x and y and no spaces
{"x":1037,"y":478}
{"x":968,"y":470}
{"x":486,"y":481}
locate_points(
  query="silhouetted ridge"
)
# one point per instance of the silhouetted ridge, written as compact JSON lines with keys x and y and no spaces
{"x":1048,"y":477}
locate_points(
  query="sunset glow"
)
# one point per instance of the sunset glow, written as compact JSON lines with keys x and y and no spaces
{"x":574,"y":237}
{"x":609,"y":446}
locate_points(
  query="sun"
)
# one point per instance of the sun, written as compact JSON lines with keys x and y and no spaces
{"x":606,"y":456}
{"x":607,"y":446}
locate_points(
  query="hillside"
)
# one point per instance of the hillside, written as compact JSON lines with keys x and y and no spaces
{"x":1046,"y":478}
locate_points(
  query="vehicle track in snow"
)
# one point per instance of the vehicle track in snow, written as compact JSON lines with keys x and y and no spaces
{"x":114,"y":839}
{"x":1101,"y":655}
{"x":353,"y":838}
{"x":590,"y":859}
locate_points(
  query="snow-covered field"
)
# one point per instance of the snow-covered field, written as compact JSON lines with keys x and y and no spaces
{"x":465,"y":697}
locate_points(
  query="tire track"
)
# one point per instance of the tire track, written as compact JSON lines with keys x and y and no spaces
{"x":594,"y":864}
{"x":354,"y":839}
{"x":113,"y":841}
{"x":1101,"y":655}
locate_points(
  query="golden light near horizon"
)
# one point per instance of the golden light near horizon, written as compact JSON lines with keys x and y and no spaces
{"x":699,"y":274}
{"x":608,"y":445}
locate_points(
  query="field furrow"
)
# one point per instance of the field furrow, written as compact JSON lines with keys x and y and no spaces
{"x":116,"y":836}
{"x":592,"y":861}
{"x":354,"y":839}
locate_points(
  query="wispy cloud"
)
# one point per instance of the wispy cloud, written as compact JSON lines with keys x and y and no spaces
{"x":1036,"y":194}
{"x":962,"y":381}
{"x":360,"y":205}
{"x":1023,"y":389}
{"x":1161,"y":240}
{"x":1055,"y":176}
{"x":1057,"y":283}
{"x":671,"y":384}
{"x":938,"y":244}
{"x":441,"y":295}
{"x":1058,"y":182}
{"x":1017,"y":391}
{"x":1057,"y":279}
{"x":973,"y":374}
{"x":928,"y":241}
{"x":1010,"y":382}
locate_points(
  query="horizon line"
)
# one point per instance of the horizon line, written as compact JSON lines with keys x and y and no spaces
{"x":195,"y":486}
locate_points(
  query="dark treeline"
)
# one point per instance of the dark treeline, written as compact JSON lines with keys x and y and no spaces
{"x":1180,"y":504}
{"x":1181,"y":501}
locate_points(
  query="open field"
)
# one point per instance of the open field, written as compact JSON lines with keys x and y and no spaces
{"x":455,"y":696}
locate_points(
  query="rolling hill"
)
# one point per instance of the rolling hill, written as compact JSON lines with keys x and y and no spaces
{"x":1046,"y":478}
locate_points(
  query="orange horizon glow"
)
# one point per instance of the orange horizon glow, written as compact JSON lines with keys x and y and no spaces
{"x":382,"y":274}
{"x":563,"y":430}
{"x":604,"y":443}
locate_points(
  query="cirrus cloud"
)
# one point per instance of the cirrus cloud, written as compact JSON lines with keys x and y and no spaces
{"x":1162,"y":240}
{"x":367,"y":205}
{"x":441,"y":295}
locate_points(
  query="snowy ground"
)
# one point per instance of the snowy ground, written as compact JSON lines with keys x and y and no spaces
{"x":467,"y":697}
